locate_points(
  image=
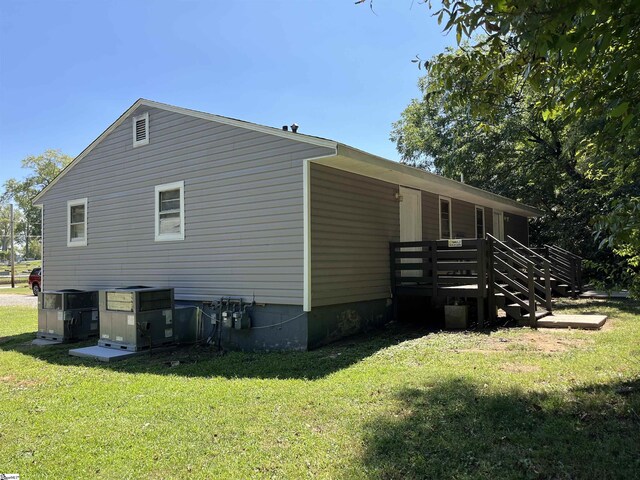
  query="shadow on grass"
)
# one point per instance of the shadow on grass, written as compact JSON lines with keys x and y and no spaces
{"x":204,"y":361}
{"x":455,"y":429}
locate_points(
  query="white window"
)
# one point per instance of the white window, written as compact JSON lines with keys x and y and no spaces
{"x":445,"y":217}
{"x":77,"y":223}
{"x":141,"y":130}
{"x":480,"y":230}
{"x":170,"y":211}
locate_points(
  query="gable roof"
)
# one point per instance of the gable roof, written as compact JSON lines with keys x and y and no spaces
{"x":345,"y":158}
{"x":299,"y":137}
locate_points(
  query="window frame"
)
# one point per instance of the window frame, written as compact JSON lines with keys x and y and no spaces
{"x":448,"y":199}
{"x":74,"y":203}
{"x":145,"y":117}
{"x":484,"y":222}
{"x":169,"y":237}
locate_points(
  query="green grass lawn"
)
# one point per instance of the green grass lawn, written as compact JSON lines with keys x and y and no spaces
{"x":400,"y":403}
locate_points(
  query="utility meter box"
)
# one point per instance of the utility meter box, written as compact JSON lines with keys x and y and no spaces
{"x":241,"y":320}
{"x":136,"y":318}
{"x":67,"y":315}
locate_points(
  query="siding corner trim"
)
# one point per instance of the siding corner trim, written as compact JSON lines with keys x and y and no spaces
{"x":306,"y":218}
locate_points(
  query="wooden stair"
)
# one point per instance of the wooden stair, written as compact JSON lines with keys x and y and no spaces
{"x":518,"y":285}
{"x":565,"y":267}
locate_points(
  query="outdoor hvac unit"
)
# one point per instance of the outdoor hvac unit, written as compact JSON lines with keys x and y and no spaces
{"x":136,"y":318}
{"x":67,"y":315}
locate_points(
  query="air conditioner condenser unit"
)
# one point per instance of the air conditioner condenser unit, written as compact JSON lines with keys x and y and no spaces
{"x":67,"y":315}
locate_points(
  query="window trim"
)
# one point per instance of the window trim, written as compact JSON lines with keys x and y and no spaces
{"x":75,"y":203}
{"x":484,"y":222}
{"x":448,"y":199}
{"x":145,"y":117}
{"x":168,"y":237}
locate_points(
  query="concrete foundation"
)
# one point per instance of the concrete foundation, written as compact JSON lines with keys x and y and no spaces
{"x":288,"y":327}
{"x":333,"y":322}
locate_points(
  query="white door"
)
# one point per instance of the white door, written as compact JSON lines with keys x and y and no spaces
{"x":410,"y":215}
{"x":410,"y":222}
{"x":498,"y":225}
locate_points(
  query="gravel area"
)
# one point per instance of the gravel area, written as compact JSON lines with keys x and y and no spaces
{"x":10,"y":300}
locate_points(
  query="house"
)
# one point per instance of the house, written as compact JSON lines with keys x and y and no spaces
{"x":216,"y":207}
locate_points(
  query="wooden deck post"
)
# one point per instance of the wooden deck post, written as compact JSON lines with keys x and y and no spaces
{"x":434,"y":269}
{"x":482,"y":281}
{"x":532,"y":296}
{"x":491,"y":294}
{"x":392,"y":280}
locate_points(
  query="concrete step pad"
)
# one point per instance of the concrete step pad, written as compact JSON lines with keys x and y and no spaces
{"x":585,"y":322}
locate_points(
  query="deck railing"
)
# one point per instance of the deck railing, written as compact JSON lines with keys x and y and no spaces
{"x":440,"y":267}
{"x":481,"y":269}
{"x":565,"y":266}
{"x":437,"y":263}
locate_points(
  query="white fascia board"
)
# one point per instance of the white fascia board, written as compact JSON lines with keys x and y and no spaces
{"x":278,"y":132}
{"x":356,"y":161}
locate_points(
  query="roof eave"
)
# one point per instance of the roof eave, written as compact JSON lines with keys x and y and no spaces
{"x":358,"y":161}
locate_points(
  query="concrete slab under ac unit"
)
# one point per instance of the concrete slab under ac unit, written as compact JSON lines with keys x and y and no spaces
{"x":43,"y":342}
{"x":584,"y":322}
{"x":103,"y":354}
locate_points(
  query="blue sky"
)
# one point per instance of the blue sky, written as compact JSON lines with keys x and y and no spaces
{"x":68,"y":69}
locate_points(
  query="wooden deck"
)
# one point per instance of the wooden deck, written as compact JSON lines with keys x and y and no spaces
{"x":441,"y":269}
{"x":490,"y":272}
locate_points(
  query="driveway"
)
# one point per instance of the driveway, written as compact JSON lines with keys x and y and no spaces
{"x":13,"y":300}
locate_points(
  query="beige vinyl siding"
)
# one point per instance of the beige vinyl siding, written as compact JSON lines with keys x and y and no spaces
{"x":517,"y":227}
{"x":243,"y":212}
{"x":353,"y":219}
{"x":430,"y":220}
{"x":463,"y":218}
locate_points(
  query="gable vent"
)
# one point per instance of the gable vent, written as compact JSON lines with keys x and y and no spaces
{"x":141,"y":130}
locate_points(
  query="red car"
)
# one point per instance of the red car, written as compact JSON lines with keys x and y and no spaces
{"x":35,"y":280}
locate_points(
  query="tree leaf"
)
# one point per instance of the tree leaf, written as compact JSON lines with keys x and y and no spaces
{"x":619,"y":110}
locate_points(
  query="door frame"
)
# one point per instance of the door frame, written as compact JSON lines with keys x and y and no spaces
{"x":499,"y":232}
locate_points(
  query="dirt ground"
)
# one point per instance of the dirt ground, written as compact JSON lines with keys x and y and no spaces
{"x":541,"y":340}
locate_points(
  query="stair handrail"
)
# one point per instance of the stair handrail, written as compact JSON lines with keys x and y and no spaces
{"x":555,"y":247}
{"x":547,"y":271}
{"x":530,"y":277}
{"x":521,"y":258}
{"x":575,"y":268}
{"x":521,"y":245}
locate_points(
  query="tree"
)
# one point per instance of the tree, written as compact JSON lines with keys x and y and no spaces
{"x":503,"y":145}
{"x":582,"y":58}
{"x":44,"y":168}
